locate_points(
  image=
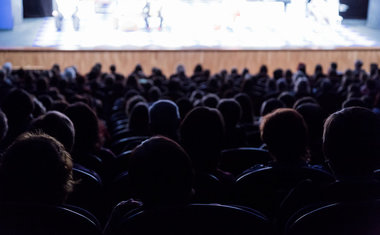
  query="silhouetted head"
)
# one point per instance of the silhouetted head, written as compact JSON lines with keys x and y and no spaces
{"x":47,"y":101}
{"x":18,"y":105}
{"x":210,"y":100}
{"x":358,"y":64}
{"x":314,"y":118}
{"x":36,"y":168}
{"x":184,"y":106}
{"x":353,"y":102}
{"x":57,"y":125}
{"x":246,"y":108}
{"x":113,"y":68}
{"x":284,"y":132}
{"x":86,"y":127}
{"x":287,"y":98}
{"x":202,"y":134}
{"x":139,"y":118}
{"x":160,"y":172}
{"x":164,"y":118}
{"x":154,"y":94}
{"x":132,"y":101}
{"x":270,"y":105}
{"x":305,"y":100}
{"x":351,"y":142}
{"x":231,"y":112}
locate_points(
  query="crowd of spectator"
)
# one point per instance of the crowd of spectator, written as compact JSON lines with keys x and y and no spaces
{"x":133,"y":152}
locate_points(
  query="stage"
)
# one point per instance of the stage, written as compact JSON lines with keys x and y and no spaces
{"x":246,"y":34}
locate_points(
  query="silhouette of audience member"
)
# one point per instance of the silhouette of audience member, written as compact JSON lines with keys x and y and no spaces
{"x":138,"y":121}
{"x":18,"y":107}
{"x":353,"y":102}
{"x":36,"y":168}
{"x":314,"y":119}
{"x":231,"y":112}
{"x":57,"y":125}
{"x":285,"y":134}
{"x":351,"y":147}
{"x":86,"y":136}
{"x":351,"y":142}
{"x":247,"y":115}
{"x":287,"y":98}
{"x":184,"y":106}
{"x":202,"y":134}
{"x":160,"y":173}
{"x":164,"y":119}
{"x":270,"y":105}
{"x":210,"y":100}
{"x":161,"y":177}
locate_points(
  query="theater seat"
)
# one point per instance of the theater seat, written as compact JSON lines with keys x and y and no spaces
{"x":87,"y":192}
{"x":265,"y":188}
{"x":209,"y":189}
{"x":346,"y":218}
{"x":194,"y":219}
{"x":236,"y":160}
{"x":21,"y":218}
{"x":128,"y":143}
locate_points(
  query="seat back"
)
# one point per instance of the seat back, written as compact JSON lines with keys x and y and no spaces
{"x":208,"y":189}
{"x":265,"y":188}
{"x":87,"y":192}
{"x":195,"y":219}
{"x":121,"y":163}
{"x":22,"y":218}
{"x":128,"y":143}
{"x":236,"y":160}
{"x":339,"y":218}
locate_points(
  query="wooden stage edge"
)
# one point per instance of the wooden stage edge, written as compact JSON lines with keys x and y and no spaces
{"x":167,"y":60}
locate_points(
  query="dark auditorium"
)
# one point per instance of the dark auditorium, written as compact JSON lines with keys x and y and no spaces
{"x":194,"y":117}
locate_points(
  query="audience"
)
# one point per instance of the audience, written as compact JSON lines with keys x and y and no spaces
{"x":204,"y":113}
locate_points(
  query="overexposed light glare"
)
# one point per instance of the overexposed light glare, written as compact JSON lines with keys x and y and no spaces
{"x":189,"y":24}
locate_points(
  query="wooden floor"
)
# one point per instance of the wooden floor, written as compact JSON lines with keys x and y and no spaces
{"x":167,"y":60}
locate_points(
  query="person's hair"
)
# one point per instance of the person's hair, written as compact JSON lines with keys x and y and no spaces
{"x":86,"y":126}
{"x":139,"y":117}
{"x":57,"y":125}
{"x":184,"y":106}
{"x":210,"y":100}
{"x":160,"y":172}
{"x":231,"y":111}
{"x":270,"y":105}
{"x":3,"y":125}
{"x":154,"y":93}
{"x":18,"y":105}
{"x":36,"y":168}
{"x":353,"y":102}
{"x":287,"y":98}
{"x":202,"y":135}
{"x":131,"y":102}
{"x":285,"y":133}
{"x":304,"y":100}
{"x":164,"y":118}
{"x":351,"y":141}
{"x":247,"y":114}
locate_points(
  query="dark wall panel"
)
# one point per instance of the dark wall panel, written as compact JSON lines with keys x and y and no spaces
{"x":357,"y":9}
{"x":37,"y":8}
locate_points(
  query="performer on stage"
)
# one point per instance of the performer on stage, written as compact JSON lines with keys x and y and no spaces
{"x":325,"y":11}
{"x":66,"y":8}
{"x":146,"y":14}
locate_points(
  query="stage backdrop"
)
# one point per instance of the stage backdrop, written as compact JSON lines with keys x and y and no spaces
{"x":357,"y":9}
{"x":37,"y":8}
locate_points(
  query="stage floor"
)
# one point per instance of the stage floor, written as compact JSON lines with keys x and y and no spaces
{"x":259,"y":32}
